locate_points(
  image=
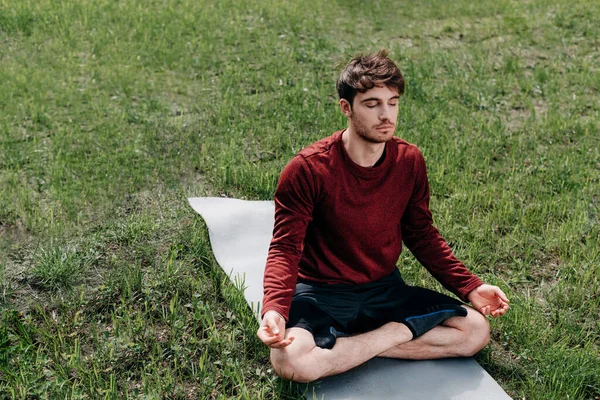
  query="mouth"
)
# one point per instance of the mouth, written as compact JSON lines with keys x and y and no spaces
{"x":384,"y":127}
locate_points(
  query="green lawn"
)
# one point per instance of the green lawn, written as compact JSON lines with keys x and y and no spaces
{"x":112,"y":113}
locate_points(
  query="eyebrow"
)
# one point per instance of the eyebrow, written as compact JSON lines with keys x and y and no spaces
{"x":378,"y":99}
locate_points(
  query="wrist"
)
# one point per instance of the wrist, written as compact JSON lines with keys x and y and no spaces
{"x":272,"y":313}
{"x":474,"y":291}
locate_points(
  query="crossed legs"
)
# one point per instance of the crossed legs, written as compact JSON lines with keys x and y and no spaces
{"x":303,"y":361}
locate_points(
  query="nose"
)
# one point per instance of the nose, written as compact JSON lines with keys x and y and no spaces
{"x":384,"y":114}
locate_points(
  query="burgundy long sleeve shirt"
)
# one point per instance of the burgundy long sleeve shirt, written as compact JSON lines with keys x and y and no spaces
{"x":338,"y":222}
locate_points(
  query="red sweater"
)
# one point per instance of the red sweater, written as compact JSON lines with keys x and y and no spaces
{"x":338,"y":222}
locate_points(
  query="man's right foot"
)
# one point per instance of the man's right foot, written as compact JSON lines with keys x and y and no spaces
{"x":431,"y":317}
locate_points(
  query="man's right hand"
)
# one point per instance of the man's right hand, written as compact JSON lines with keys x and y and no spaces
{"x":272,"y":331}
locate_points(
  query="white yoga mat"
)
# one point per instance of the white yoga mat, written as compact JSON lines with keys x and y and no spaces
{"x":240,"y":232}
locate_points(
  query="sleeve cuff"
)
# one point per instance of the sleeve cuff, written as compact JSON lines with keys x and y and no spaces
{"x":466,"y":290}
{"x":278,"y":310}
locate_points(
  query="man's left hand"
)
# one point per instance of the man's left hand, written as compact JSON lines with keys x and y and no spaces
{"x":489,"y":300}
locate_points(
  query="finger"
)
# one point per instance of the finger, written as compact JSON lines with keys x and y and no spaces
{"x":269,"y":340}
{"x":501,"y":294}
{"x":265,"y":332}
{"x":503,"y":309}
{"x":282,"y":343}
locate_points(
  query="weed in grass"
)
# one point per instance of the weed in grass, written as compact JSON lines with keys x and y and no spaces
{"x":6,"y":288}
{"x":58,"y":267}
{"x":131,"y":229}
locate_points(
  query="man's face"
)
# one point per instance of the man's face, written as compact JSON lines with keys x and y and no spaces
{"x":373,"y":114}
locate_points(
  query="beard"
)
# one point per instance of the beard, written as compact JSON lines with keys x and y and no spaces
{"x":370,"y":135}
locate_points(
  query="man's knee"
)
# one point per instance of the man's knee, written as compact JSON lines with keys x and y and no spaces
{"x":477,"y":333}
{"x":294,"y":362}
{"x":293,"y":367}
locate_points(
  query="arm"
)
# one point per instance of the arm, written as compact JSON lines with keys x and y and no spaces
{"x":293,"y":212}
{"x":426,"y":243}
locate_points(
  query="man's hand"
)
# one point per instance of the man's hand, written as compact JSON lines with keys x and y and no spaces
{"x":489,"y":300}
{"x":272,"y":331}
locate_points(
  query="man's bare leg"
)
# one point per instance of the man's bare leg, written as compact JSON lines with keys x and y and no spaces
{"x":303,"y":361}
{"x":456,"y":337}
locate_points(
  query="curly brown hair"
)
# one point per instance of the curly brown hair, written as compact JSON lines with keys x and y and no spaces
{"x":364,"y":72}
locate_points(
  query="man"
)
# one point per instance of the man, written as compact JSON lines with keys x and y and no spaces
{"x":333,"y":297}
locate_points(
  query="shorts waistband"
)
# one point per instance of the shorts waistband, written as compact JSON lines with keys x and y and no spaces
{"x":392,"y":278}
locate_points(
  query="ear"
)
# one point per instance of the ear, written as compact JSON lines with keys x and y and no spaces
{"x":346,"y":107}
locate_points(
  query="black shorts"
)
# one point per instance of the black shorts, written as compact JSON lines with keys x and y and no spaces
{"x":353,"y":309}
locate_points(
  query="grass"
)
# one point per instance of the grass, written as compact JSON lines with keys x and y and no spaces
{"x":57,"y":268}
{"x":113,"y":113}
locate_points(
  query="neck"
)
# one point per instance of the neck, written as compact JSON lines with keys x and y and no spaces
{"x":362,"y":152}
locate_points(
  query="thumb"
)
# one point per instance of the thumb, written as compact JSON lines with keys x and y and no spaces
{"x":272,"y":324}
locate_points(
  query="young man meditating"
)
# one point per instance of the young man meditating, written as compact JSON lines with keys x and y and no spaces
{"x":333,"y":297}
